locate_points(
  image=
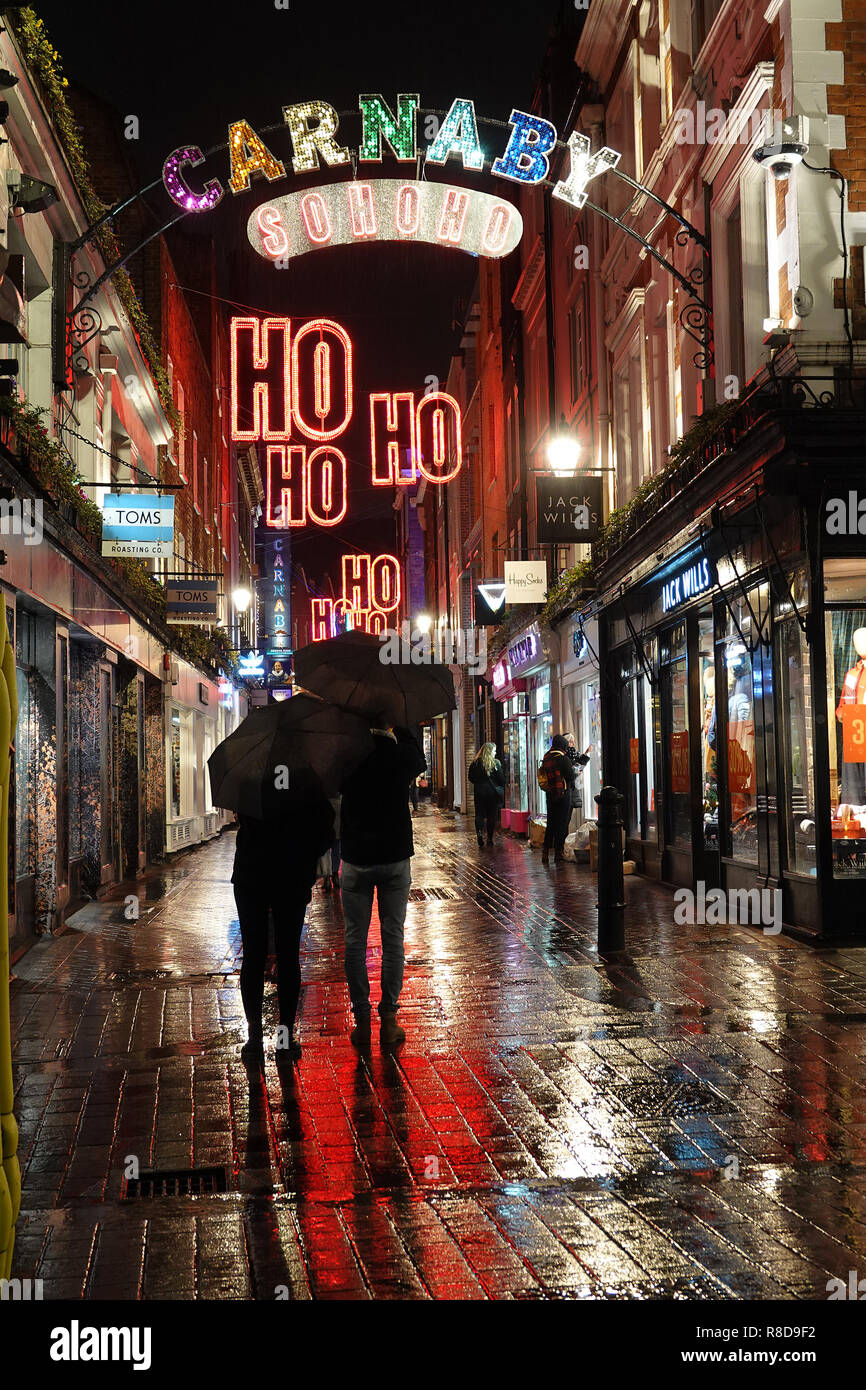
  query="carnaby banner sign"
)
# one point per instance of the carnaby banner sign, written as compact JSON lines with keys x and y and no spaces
{"x":416,"y":208}
{"x":568,"y":510}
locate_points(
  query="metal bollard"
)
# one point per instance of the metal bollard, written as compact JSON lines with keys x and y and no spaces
{"x":611,"y":888}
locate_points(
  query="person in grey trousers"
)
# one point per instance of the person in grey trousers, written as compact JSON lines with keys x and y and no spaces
{"x":377,"y":846}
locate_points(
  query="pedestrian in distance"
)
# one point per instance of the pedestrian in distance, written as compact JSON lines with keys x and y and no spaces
{"x":488,"y":787}
{"x":274,"y":872}
{"x":377,"y":846}
{"x":556,"y":779}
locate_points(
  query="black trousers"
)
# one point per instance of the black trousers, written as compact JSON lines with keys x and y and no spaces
{"x":559,"y":810}
{"x":486,"y":815}
{"x":255,"y":903}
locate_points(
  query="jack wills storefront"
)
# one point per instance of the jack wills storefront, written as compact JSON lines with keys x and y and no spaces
{"x":734,"y":707}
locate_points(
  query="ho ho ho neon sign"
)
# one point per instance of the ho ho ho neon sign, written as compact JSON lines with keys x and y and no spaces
{"x":292,"y":391}
{"x":405,"y":210}
{"x":371,"y":592}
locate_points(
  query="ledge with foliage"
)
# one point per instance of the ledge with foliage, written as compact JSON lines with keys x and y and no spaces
{"x":43,"y":60}
{"x":51,"y":470}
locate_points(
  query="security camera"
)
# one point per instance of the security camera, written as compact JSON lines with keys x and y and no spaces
{"x":786,"y":147}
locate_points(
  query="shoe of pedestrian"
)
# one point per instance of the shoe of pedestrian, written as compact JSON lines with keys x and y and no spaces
{"x":390,"y":1032}
{"x":559,"y":857}
{"x":286,"y":1055}
{"x":360,"y":1034}
{"x":480,"y":842}
{"x":253,"y":1051}
{"x":490,"y":842}
{"x":545,"y":857}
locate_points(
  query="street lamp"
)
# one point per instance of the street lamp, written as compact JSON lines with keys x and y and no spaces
{"x":423,"y":622}
{"x":563,"y":451}
{"x":241,"y":598}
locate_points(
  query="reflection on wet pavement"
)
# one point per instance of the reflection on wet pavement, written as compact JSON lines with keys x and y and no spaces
{"x":686,"y":1122}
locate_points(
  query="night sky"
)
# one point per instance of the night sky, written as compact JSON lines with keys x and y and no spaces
{"x":186,"y":71}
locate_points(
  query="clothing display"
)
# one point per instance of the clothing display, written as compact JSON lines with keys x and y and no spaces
{"x":848,"y":711}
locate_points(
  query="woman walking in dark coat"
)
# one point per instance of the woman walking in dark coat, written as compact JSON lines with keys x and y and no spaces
{"x":488,"y":784}
{"x":557,"y":773}
{"x":274,"y":873}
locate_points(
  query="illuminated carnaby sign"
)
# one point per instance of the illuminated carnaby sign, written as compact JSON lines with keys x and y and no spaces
{"x":313,"y":127}
{"x":343,"y":214}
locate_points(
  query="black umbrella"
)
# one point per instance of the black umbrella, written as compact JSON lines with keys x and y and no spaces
{"x":284,"y":752}
{"x":376,"y":677}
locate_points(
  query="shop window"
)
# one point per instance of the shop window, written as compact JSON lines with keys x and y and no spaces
{"x":796,"y":733}
{"x":675,"y":734}
{"x":741,"y":685}
{"x":709,"y":758}
{"x":845,"y":618}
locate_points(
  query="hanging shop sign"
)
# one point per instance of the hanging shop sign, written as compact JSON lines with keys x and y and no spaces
{"x":193,"y":601}
{"x":272,"y":591}
{"x":343,"y":214}
{"x":568,"y":510}
{"x":489,"y":603}
{"x":251,"y":665}
{"x":313,"y":127}
{"x":526,"y":651}
{"x":687,"y":583}
{"x":138,"y":526}
{"x":525,"y":581}
{"x":292,"y":392}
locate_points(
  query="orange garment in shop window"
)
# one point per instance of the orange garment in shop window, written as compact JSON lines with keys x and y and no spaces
{"x":853,"y":720}
{"x":853,"y":690}
{"x":634,"y":756}
{"x":680,"y":764}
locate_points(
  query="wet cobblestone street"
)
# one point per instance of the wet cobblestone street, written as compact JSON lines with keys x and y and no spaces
{"x":687,"y":1123}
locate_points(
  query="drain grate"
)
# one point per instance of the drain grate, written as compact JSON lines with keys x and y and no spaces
{"x":420,"y":895}
{"x":175,"y":1182}
{"x":668,"y":1099}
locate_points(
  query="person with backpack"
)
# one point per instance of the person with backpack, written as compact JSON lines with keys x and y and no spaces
{"x":556,"y":779}
{"x":488,"y":786}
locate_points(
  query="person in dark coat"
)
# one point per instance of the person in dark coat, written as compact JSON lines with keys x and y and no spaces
{"x":559,"y":773}
{"x":488,"y":786}
{"x":274,"y":872}
{"x":377,"y":846}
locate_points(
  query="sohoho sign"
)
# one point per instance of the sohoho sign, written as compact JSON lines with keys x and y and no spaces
{"x":568,"y":510}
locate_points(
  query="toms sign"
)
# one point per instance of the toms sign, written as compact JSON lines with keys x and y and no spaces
{"x":136,"y":526}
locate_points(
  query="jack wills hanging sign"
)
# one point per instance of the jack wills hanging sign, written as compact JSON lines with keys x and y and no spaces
{"x":569,"y":511}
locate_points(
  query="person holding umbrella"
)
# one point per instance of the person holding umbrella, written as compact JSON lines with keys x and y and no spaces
{"x":277,"y":771}
{"x":377,"y":845}
{"x":378,"y":678}
{"x":274,"y":872}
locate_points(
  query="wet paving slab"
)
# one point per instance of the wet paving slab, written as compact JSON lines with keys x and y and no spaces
{"x":684,"y":1122}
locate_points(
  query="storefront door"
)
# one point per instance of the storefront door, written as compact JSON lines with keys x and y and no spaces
{"x":676,"y":759}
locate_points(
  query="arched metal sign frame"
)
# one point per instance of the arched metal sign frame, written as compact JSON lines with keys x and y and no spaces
{"x":84,"y":321}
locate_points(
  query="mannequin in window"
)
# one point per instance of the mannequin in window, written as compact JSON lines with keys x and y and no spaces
{"x":853,"y":774}
{"x":741,"y":737}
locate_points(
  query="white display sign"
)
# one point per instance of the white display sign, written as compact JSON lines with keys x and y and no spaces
{"x":525,"y":581}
